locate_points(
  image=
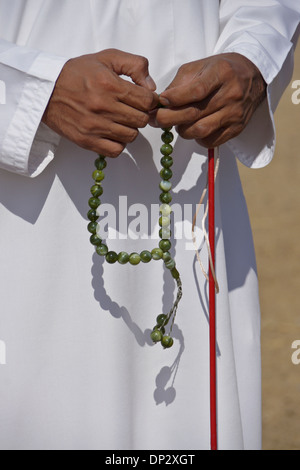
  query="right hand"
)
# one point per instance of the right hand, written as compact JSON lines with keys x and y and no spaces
{"x":95,"y":108}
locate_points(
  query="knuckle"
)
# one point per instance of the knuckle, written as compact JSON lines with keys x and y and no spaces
{"x":115,"y":150}
{"x":132,"y":135}
{"x":143,"y":120}
{"x":98,"y":103}
{"x":147,"y":101}
{"x":185,"y":132}
{"x":237,"y":91}
{"x":87,"y":125}
{"x":194,"y":113}
{"x":162,"y":121}
{"x":200,"y":89}
{"x":106,"y":83}
{"x":202,"y":131}
{"x":238,"y":115}
{"x":182,"y":69}
{"x":110,"y":149}
{"x":108,"y":51}
{"x":227,"y":68}
{"x":142,"y":62}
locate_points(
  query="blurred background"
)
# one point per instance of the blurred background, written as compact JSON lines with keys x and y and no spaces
{"x":273,"y":197}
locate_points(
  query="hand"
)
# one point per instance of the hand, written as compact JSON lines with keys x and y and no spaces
{"x":94,"y":107}
{"x":213,"y":99}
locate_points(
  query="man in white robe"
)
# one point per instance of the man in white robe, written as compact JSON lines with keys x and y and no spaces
{"x":80,"y":371}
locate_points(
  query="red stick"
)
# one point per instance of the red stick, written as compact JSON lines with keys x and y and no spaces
{"x":212,"y":301}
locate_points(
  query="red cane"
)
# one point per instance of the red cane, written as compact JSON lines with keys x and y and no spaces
{"x":212,"y":300}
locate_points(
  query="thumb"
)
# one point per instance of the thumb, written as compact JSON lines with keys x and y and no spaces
{"x":180,"y":84}
{"x":134,"y":66}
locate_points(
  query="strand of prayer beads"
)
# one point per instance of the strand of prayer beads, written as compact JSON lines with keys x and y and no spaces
{"x":162,"y":252}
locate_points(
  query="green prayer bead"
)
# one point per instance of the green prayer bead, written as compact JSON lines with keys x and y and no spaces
{"x":164,"y":221}
{"x":146,"y":256}
{"x":111,"y":257}
{"x":97,"y":190}
{"x":93,"y":227}
{"x":93,"y":215}
{"x":170,"y":264}
{"x":165,"y":245}
{"x":162,"y":252}
{"x":167,"y":256}
{"x":95,"y":240}
{"x":123,"y":257}
{"x":165,"y":186}
{"x":134,"y":259}
{"x":167,"y":137}
{"x":165,"y":198}
{"x":167,"y":342}
{"x":166,"y":149}
{"x":98,"y":176}
{"x":102,"y":250}
{"x":166,"y":161}
{"x":157,"y":253}
{"x":100,"y":163}
{"x":175,"y":274}
{"x":161,"y":329}
{"x":166,"y":174}
{"x":165,"y":209}
{"x":156,"y":336}
{"x":94,"y":202}
{"x":165,"y":233}
{"x":161,"y":320}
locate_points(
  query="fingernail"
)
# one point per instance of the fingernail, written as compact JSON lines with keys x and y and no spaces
{"x":151,"y":83}
{"x":163,"y":101}
{"x":152,"y":121}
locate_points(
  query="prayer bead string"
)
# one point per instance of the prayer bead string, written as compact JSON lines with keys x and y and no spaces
{"x":162,"y":252}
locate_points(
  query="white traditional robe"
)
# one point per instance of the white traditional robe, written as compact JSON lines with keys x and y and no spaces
{"x":80,"y":371}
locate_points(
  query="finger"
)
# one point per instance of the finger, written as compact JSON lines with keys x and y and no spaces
{"x":102,"y":146}
{"x":166,"y":117}
{"x":222,"y":136}
{"x":153,"y":119}
{"x":204,"y":127}
{"x":194,"y":90}
{"x":109,"y":148}
{"x":131,"y":65}
{"x":115,"y":132}
{"x":128,"y":116}
{"x":212,"y":131}
{"x":85,"y":134}
{"x":137,"y":96}
{"x":216,"y":139}
{"x":178,"y":116}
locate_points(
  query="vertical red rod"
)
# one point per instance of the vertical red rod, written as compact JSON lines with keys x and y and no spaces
{"x":212,"y":300}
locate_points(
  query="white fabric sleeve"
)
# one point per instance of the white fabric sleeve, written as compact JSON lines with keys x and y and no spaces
{"x":27,"y":80}
{"x":264,"y":31}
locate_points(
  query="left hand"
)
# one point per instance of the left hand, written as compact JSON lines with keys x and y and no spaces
{"x":212,"y":100}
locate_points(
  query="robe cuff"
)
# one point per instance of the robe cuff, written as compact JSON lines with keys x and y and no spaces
{"x":255,"y":146}
{"x":29,"y":145}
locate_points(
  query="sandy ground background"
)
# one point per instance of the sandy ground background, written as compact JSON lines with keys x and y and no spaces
{"x":273,"y":196}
